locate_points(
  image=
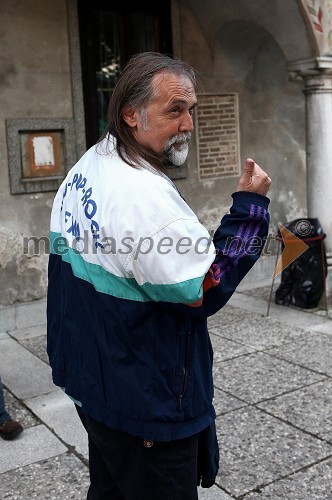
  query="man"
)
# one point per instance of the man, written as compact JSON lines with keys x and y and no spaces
{"x":133,"y":276}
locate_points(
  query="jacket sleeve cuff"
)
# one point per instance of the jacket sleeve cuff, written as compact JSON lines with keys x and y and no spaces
{"x":251,"y":197}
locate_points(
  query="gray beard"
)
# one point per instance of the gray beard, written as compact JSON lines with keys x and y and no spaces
{"x":178,"y":156}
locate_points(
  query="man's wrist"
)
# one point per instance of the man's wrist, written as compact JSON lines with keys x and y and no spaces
{"x":251,"y":197}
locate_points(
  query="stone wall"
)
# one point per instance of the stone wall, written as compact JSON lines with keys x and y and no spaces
{"x":244,"y":58}
{"x":34,"y":83}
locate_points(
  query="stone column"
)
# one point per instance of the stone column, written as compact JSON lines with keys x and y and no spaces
{"x":318,"y":91}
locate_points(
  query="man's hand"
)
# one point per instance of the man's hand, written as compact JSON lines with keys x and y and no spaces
{"x":254,"y":179}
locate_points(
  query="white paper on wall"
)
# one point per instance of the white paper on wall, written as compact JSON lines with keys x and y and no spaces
{"x":43,"y":151}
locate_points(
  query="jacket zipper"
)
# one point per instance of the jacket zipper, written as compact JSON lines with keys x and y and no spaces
{"x":185,"y":371}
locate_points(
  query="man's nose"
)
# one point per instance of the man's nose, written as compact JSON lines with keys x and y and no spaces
{"x":187,"y":123}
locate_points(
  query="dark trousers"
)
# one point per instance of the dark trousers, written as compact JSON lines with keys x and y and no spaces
{"x":122,"y":468}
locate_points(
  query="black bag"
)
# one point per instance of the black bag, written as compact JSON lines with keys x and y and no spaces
{"x":302,"y":282}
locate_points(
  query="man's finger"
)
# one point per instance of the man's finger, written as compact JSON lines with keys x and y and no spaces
{"x":249,"y":167}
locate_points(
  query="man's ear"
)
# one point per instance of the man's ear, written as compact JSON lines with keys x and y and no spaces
{"x":130,"y":116}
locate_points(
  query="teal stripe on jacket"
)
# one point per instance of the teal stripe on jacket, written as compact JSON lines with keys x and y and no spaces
{"x":189,"y":291}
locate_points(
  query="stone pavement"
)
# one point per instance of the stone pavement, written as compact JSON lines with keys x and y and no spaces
{"x":273,"y":378}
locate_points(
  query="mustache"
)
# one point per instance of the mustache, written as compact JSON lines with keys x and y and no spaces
{"x":185,"y":137}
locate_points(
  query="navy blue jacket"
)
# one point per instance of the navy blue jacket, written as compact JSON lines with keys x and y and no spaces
{"x":137,"y":363}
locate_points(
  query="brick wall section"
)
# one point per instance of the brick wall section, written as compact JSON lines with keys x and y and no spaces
{"x":218,"y":136}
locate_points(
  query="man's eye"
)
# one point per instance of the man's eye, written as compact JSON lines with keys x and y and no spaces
{"x":175,"y":110}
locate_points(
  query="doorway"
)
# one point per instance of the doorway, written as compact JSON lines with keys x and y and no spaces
{"x":110,"y":33}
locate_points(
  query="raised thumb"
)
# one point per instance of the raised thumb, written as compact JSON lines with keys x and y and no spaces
{"x":249,"y":167}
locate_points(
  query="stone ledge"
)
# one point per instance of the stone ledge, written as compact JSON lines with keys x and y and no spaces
{"x":22,"y":315}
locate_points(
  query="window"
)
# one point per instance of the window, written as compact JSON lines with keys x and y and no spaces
{"x":110,"y":33}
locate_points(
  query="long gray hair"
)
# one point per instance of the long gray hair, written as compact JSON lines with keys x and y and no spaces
{"x":134,"y":89}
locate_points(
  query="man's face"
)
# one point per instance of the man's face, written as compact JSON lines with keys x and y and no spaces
{"x":165,"y":126}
